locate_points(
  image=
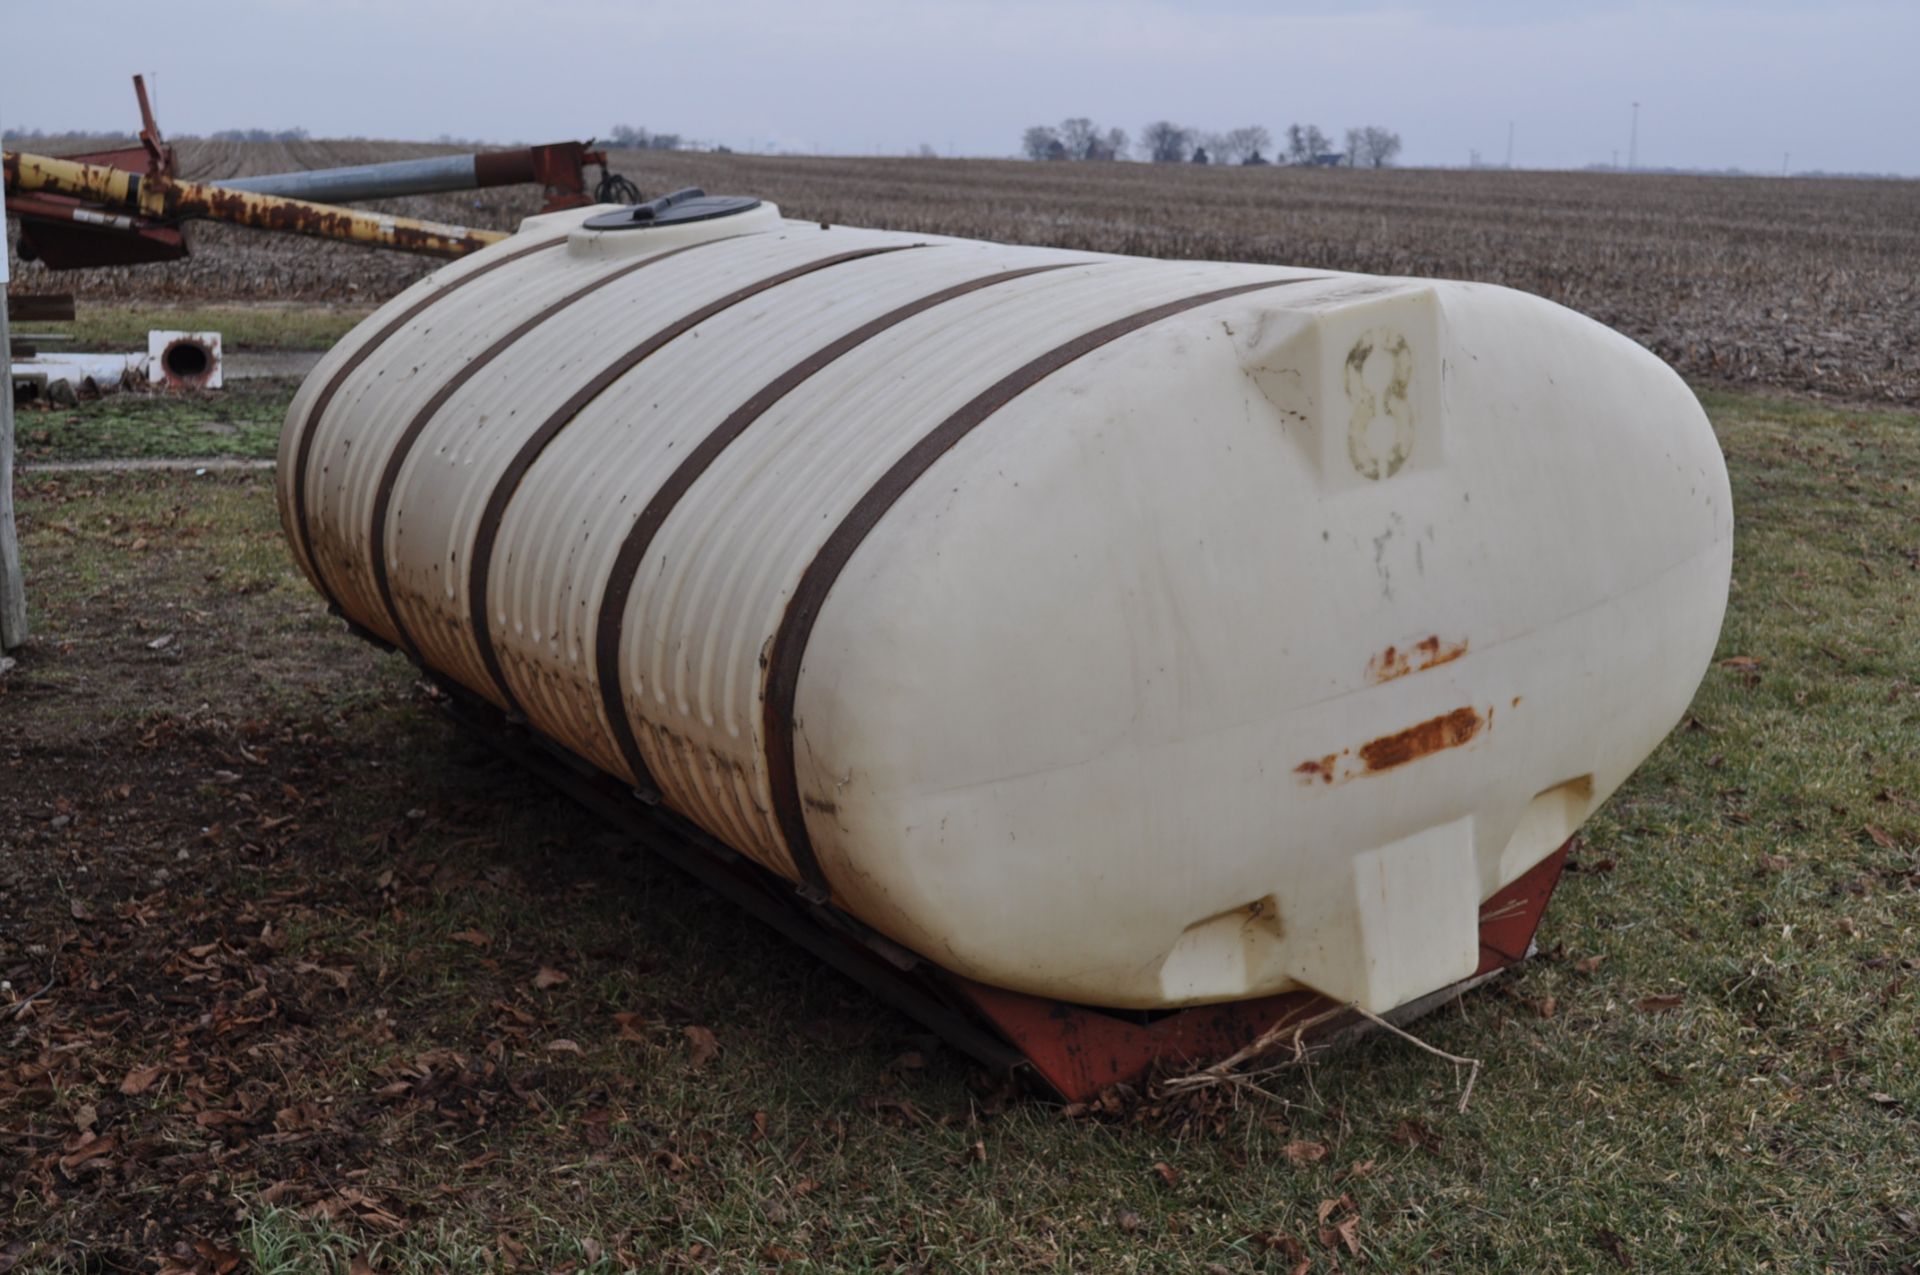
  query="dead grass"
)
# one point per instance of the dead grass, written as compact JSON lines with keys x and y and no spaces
{"x":398,"y":1002}
{"x":273,"y":325}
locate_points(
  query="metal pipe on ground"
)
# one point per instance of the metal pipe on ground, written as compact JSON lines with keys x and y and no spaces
{"x":167,"y":198}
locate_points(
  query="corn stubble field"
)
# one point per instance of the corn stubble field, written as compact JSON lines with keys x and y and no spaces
{"x":294,"y":977}
{"x":1801,"y":284}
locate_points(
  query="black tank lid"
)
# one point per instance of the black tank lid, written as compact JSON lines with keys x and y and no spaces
{"x":682,"y":206}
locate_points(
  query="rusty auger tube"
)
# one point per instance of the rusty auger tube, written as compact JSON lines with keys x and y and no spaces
{"x":167,"y":199}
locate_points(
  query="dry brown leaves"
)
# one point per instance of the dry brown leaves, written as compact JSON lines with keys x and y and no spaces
{"x":702,"y":1046}
{"x":165,"y":1044}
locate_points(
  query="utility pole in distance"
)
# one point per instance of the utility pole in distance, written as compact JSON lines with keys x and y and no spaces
{"x":1509,"y":145}
{"x":1633,"y":140}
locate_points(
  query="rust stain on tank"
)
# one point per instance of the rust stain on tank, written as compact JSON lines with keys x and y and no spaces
{"x":1320,"y":769}
{"x":1428,"y":652}
{"x":1450,"y":730}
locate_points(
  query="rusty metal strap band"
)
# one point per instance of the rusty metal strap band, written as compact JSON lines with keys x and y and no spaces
{"x":480,"y":561}
{"x":303,"y":447}
{"x":803,"y":609}
{"x":610,"y":632}
{"x":403,"y":446}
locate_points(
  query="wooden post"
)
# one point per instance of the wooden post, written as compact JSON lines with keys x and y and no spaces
{"x":13,"y":589}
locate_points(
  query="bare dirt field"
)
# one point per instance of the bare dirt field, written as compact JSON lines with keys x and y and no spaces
{"x":1800,"y":284}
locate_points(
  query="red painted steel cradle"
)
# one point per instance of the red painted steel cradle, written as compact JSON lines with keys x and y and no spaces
{"x":1077,"y":1051}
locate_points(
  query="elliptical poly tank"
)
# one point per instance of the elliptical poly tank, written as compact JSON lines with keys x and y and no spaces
{"x":1135,"y":633}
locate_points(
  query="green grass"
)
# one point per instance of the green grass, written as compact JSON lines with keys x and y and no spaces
{"x":242,"y":420}
{"x":266,"y":326}
{"x":1764,"y":866}
{"x":86,"y":538}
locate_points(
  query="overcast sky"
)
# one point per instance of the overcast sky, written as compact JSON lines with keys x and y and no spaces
{"x":1720,"y":84}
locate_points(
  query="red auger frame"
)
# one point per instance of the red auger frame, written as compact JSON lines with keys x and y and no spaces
{"x":69,"y":233}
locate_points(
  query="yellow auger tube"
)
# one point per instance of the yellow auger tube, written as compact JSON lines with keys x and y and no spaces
{"x":168,"y":199}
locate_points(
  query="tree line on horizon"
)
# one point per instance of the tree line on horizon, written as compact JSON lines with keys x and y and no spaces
{"x":1077,"y":138}
{"x":1165,"y":142}
{"x":625,"y":137}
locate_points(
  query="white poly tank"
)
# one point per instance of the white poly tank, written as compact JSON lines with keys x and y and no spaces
{"x":1136,"y":633}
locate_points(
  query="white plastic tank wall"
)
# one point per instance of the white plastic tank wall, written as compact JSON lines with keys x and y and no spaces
{"x":1138,"y":633}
